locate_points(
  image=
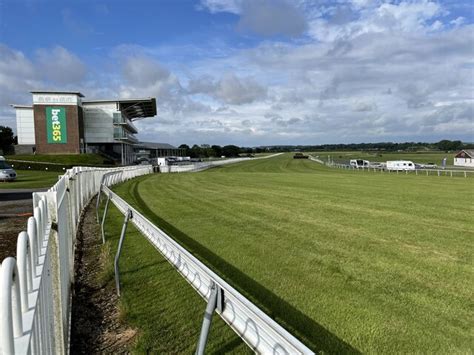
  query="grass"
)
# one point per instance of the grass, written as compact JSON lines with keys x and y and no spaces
{"x":347,"y":262}
{"x":416,"y":157}
{"x":157,"y":301}
{"x":67,"y":159}
{"x":31,"y":179}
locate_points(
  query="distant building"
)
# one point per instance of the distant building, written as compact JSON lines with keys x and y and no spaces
{"x":149,"y":150}
{"x":62,"y":122}
{"x":464,"y":158}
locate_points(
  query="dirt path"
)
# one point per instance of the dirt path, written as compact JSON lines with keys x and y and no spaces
{"x":96,"y":328}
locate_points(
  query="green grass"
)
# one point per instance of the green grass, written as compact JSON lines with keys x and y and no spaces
{"x":416,"y":157}
{"x":67,"y":159}
{"x":346,"y":261}
{"x":31,"y":179}
{"x":157,"y":301}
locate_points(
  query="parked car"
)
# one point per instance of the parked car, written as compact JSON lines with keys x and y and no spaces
{"x":6,"y":171}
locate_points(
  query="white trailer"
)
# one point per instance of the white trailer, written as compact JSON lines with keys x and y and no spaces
{"x":359,"y":163}
{"x":400,"y":165}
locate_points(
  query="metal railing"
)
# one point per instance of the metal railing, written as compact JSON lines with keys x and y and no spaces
{"x":260,"y":332}
{"x":35,"y":287}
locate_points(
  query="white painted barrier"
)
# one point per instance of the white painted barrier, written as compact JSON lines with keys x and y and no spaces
{"x":200,"y":166}
{"x":423,"y":172}
{"x":35,"y":288}
{"x":258,"y":331}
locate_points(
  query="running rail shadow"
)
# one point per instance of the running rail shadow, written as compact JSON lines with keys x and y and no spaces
{"x":310,"y":332}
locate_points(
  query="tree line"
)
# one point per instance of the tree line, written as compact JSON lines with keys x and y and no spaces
{"x":206,"y":150}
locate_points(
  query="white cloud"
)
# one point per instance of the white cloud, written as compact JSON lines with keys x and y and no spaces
{"x":143,"y":71}
{"x":58,"y":65}
{"x":270,"y":18}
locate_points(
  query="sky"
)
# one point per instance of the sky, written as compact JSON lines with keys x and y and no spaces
{"x":253,"y":72}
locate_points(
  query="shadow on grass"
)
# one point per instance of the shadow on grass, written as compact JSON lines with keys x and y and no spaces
{"x":310,"y":332}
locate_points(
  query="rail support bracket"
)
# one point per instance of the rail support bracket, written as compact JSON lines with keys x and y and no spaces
{"x":128,"y":215}
{"x":216,"y":301}
{"x":102,"y":224}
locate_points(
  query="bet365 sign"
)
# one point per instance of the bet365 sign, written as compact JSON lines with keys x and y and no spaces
{"x":56,"y":124}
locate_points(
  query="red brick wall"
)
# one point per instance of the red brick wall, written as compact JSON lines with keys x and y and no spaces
{"x":74,"y":126}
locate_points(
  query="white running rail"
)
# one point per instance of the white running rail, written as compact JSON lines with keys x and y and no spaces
{"x":35,"y":287}
{"x":259,"y":331}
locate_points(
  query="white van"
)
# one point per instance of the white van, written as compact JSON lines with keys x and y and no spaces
{"x":359,"y":163}
{"x":400,"y":165}
{"x":6,"y":171}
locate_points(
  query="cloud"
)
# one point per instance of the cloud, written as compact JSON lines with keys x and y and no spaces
{"x":230,"y":89}
{"x":143,"y":71}
{"x":373,"y":17}
{"x":215,"y":6}
{"x":58,"y":65}
{"x":262,"y":17}
{"x":271,"y":18}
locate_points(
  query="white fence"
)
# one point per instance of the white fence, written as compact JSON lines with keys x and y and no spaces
{"x":259,"y":331}
{"x":35,"y":288}
{"x":193,"y":167}
{"x":423,"y":171}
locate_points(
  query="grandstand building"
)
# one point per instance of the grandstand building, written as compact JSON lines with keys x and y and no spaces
{"x":62,"y":122}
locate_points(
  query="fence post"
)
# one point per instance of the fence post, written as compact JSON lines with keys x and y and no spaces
{"x":207,"y":321}
{"x":128,"y":215}
{"x":10,"y":306}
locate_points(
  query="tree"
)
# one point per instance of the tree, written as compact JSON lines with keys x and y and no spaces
{"x":6,"y":139}
{"x":217,"y":150}
{"x":230,"y":151}
{"x":447,"y":145}
{"x":187,"y":150}
{"x":196,"y":151}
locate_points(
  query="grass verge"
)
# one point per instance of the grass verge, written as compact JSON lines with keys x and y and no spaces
{"x":31,"y":179}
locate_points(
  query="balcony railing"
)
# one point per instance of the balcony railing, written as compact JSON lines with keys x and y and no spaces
{"x":119,"y":119}
{"x":122,"y":134}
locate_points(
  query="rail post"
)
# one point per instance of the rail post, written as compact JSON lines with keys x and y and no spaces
{"x":215,"y":301}
{"x":103,"y":218}
{"x":128,"y":215}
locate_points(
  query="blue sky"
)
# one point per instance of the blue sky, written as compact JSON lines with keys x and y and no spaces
{"x":252,"y":72}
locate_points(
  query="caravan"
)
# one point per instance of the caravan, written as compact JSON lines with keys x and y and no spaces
{"x":359,"y":163}
{"x":400,"y":165}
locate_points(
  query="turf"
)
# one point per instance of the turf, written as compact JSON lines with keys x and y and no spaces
{"x":31,"y":179}
{"x":67,"y":159}
{"x":348,"y":262}
{"x":156,"y":301}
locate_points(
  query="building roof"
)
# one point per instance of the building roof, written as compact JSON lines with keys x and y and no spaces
{"x":133,"y":109}
{"x":464,"y":152}
{"x":57,"y":92}
{"x":151,"y":145}
{"x":21,"y":106}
